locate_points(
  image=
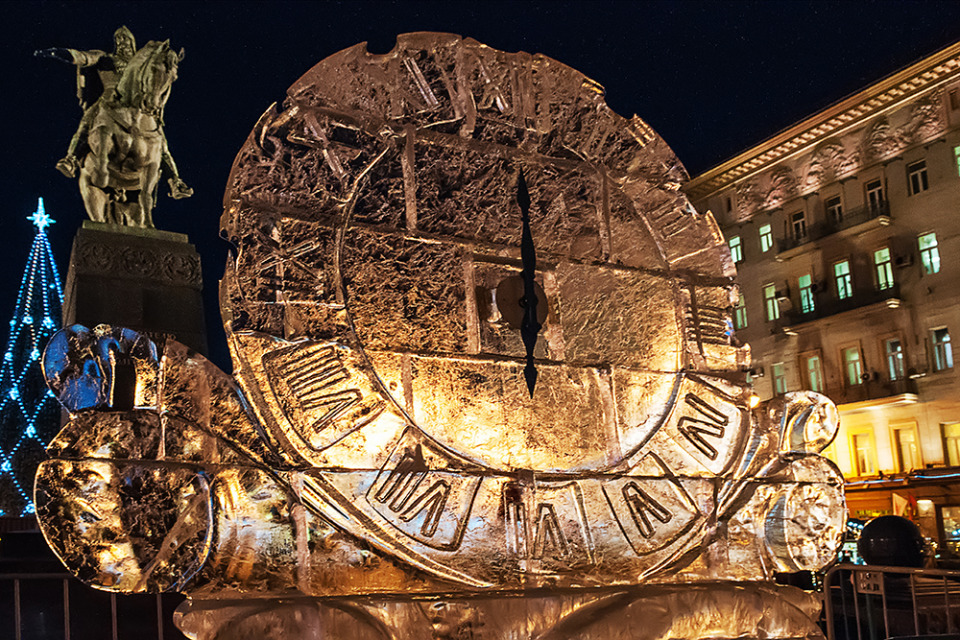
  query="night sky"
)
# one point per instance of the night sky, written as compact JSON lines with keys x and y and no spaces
{"x":712,"y":78}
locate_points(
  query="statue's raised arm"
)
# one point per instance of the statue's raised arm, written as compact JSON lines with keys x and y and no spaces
{"x":119,"y":150}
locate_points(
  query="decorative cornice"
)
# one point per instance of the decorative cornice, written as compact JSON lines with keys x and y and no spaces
{"x":894,"y":90}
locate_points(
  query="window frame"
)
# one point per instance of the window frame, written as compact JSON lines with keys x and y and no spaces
{"x":895,"y":429}
{"x":798,"y":224}
{"x":804,"y":363}
{"x":779,"y":382}
{"x":884,"y":342}
{"x":847,"y":291}
{"x":736,"y":249}
{"x":833,"y":210}
{"x":941,"y":352}
{"x":918,"y":180}
{"x":740,"y":312}
{"x":930,"y":262}
{"x":808,"y":302}
{"x":869,"y":191}
{"x":855,"y":346}
{"x":943,"y":441}
{"x":872,"y":449}
{"x":883,"y":268}
{"x":771,"y":307}
{"x":765,"y":232}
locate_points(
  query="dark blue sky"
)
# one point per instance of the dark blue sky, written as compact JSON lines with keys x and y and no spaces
{"x":711,"y":77}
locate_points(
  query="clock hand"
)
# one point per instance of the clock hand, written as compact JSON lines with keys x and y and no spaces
{"x":530,"y":327}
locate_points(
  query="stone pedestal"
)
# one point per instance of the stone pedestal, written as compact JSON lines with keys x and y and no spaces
{"x":143,"y":279}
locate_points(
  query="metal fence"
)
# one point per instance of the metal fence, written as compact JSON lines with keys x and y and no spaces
{"x":35,"y":606}
{"x":863,"y":602}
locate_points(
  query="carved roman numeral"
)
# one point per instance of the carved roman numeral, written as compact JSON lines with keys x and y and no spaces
{"x":550,"y":540}
{"x":643,"y":507}
{"x":709,"y":423}
{"x":417,"y":493}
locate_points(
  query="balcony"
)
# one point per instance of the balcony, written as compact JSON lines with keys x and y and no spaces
{"x":871,"y":394}
{"x":824,"y":306}
{"x":878,"y":213}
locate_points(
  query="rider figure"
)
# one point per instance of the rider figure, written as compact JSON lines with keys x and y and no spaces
{"x":97,"y":75}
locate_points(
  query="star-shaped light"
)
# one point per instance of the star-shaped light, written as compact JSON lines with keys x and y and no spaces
{"x":40,"y":217}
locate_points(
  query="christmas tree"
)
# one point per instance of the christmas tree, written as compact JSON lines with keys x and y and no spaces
{"x":29,"y":414}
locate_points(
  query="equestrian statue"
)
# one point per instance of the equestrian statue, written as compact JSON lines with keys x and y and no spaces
{"x":119,"y":152}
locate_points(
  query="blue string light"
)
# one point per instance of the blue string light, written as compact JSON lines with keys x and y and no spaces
{"x":29,"y":415}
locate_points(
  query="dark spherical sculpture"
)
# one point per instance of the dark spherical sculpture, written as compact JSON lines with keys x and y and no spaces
{"x":891,"y":541}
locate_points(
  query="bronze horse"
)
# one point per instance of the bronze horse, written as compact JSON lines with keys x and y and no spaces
{"x":126,"y":140}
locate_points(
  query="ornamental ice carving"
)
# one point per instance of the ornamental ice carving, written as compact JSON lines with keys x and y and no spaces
{"x":379,"y":439}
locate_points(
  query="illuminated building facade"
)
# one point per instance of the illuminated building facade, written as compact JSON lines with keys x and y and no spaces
{"x":845,"y":231}
{"x":29,"y":414}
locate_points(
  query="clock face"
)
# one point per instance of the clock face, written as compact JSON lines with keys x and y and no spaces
{"x":458,"y":261}
{"x":398,"y":235}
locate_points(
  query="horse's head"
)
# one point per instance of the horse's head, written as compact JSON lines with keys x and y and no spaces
{"x":146,"y":81}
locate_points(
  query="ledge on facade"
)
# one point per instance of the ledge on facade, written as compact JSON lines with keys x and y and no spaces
{"x":856,"y":221}
{"x":932,"y":475}
{"x":872,"y":394}
{"x":888,"y":298}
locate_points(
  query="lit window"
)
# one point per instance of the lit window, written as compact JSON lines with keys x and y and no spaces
{"x":766,"y":238}
{"x":907,"y":451}
{"x":736,"y":249}
{"x":841,"y":272}
{"x":917,"y":177}
{"x":874,"y":191}
{"x":806,"y":293}
{"x":779,"y":379}
{"x":834,"y":210}
{"x":799,"y":223}
{"x":929,"y":253}
{"x":942,"y":353}
{"x":853,"y":366}
{"x":894,"y":352}
{"x":814,"y":373}
{"x":740,"y":313}
{"x":883,"y":267}
{"x":770,"y":302}
{"x":956,"y":157}
{"x":863,"y":454}
{"x":951,"y":442}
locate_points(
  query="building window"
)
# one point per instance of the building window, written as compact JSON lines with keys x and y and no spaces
{"x":906,"y":449}
{"x":766,"y":238}
{"x":814,"y":373}
{"x":728,"y":204}
{"x":883,"y":267}
{"x":799,"y":222}
{"x":736,"y":249}
{"x":951,"y":442}
{"x":779,"y":379}
{"x":770,"y":302}
{"x":942,"y":353}
{"x":853,"y":366}
{"x":917,"y":177}
{"x":834,"y":210}
{"x":929,"y":253}
{"x":874,"y":190}
{"x":740,"y":313}
{"x":893,"y":350}
{"x":841,"y":272}
{"x":956,"y":157}
{"x":863,"y":454}
{"x":806,"y":293}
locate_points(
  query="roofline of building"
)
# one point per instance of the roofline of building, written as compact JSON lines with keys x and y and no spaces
{"x":849,"y":112}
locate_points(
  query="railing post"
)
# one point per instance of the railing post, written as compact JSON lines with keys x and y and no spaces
{"x":66,"y":609}
{"x":16,"y":607}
